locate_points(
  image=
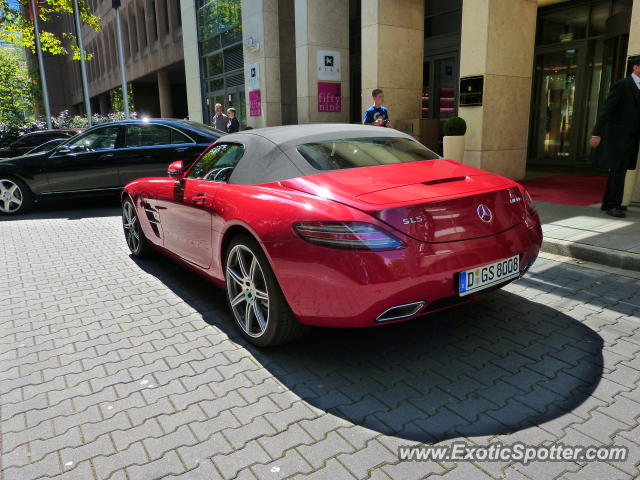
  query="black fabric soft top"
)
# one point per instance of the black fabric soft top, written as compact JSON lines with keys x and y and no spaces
{"x":271,"y":155}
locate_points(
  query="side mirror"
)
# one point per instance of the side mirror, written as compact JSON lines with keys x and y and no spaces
{"x":176,"y":170}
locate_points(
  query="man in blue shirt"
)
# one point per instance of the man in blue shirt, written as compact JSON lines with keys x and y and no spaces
{"x":376,"y":114}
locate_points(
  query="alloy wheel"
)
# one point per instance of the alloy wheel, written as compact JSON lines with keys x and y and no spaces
{"x":11,"y":196}
{"x":247,"y":290}
{"x":131,"y":226}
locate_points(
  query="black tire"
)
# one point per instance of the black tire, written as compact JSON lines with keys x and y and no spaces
{"x":280,"y":325}
{"x":15,"y":196}
{"x":133,"y":234}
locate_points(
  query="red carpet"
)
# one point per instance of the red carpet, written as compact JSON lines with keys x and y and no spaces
{"x":567,"y":189}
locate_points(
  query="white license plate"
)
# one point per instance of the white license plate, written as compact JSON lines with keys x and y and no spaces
{"x":484,"y":277}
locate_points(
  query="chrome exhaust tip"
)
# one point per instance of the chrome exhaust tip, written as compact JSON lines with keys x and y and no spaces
{"x":400,"y":311}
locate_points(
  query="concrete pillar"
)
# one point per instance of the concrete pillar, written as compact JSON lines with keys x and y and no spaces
{"x":288,"y":87}
{"x":497,"y":131}
{"x":164,"y":94}
{"x":321,"y":25}
{"x":191,"y":61}
{"x":262,"y":49}
{"x":103,"y":101}
{"x":393,"y":55}
{"x":632,"y":183}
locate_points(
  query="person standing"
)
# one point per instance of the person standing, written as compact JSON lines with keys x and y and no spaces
{"x":219,"y":120}
{"x":233,"y":125}
{"x":377,"y":114}
{"x":616,"y":137}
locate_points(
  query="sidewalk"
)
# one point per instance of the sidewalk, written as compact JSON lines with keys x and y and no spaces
{"x":587,"y":233}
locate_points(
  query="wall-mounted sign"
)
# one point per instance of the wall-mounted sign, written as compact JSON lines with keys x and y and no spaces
{"x":329,"y":97}
{"x":253,"y":74}
{"x":255,"y":106}
{"x":471,"y":91}
{"x":329,"y":65}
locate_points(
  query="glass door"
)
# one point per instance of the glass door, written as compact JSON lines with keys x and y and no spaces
{"x":554,"y":131}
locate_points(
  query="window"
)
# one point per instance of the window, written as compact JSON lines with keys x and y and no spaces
{"x":147,"y":135}
{"x":363,"y":152}
{"x":29,"y":140}
{"x":218,"y":163}
{"x":100,"y":139}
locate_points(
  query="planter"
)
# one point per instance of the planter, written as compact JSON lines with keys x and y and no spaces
{"x":453,"y":148}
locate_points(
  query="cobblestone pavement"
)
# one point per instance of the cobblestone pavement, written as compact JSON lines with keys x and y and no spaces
{"x":112,"y":368}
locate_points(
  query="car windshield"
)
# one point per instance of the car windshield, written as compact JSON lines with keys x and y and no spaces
{"x":363,"y":152}
{"x":45,"y":147}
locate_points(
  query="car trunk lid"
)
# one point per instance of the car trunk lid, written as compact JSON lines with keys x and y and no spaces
{"x":431,"y":201}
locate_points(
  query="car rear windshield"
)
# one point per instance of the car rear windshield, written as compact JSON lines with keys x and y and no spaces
{"x":363,"y":152}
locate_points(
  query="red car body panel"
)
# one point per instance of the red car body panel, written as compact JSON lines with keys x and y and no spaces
{"x":193,"y":219}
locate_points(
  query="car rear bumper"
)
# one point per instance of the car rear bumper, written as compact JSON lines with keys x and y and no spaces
{"x":344,"y":288}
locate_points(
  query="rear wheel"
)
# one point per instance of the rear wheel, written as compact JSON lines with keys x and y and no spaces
{"x":15,"y":196}
{"x":133,"y":234}
{"x":255,"y":298}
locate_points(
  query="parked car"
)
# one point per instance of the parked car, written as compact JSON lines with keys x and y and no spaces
{"x":334,"y":225}
{"x":30,"y":140}
{"x":101,"y":159}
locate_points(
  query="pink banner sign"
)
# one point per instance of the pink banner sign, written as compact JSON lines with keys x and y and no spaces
{"x":255,"y":107}
{"x":329,"y":99}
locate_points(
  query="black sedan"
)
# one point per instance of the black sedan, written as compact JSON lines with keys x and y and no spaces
{"x":30,"y":140}
{"x":103,"y":158}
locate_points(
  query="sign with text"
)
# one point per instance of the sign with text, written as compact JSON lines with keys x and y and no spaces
{"x":254,"y":76}
{"x":329,"y":97}
{"x":255,"y":107}
{"x":329,"y":65}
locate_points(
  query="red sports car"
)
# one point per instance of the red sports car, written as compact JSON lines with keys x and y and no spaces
{"x":334,"y":225}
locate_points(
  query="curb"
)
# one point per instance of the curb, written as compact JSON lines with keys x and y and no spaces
{"x":591,"y":253}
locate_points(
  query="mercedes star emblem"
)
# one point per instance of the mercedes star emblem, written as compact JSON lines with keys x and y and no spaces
{"x":484,"y":213}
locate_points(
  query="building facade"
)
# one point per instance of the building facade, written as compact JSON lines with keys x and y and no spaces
{"x":153,"y":49}
{"x":528,"y":76}
{"x":542,"y":67}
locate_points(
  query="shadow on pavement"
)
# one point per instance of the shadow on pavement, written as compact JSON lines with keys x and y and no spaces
{"x":71,"y":209}
{"x":494,"y":367}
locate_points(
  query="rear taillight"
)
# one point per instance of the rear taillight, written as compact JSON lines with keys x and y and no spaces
{"x":528,"y":201}
{"x":350,"y":235}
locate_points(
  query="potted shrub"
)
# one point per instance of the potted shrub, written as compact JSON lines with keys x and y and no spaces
{"x":453,"y":142}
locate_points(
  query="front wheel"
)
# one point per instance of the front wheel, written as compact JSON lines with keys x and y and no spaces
{"x":255,"y":298}
{"x":15,"y":196}
{"x":133,"y":234}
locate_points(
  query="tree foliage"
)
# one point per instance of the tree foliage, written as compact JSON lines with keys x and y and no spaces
{"x":17,"y":28}
{"x":16,"y":87}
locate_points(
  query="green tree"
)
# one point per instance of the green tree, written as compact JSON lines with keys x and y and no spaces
{"x":16,"y":86}
{"x":17,"y":28}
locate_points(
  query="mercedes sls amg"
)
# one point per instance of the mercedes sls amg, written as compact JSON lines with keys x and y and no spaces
{"x":334,"y":225}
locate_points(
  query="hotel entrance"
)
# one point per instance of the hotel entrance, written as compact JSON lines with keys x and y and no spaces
{"x":580,"y":52}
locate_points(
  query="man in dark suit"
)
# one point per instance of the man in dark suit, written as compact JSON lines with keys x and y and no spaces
{"x":616,"y":137}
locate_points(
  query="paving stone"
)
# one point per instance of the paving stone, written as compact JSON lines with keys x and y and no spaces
{"x":554,"y":357}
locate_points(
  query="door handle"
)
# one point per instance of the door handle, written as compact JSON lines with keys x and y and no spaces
{"x":181,"y":149}
{"x":108,"y":155}
{"x":199,"y":198}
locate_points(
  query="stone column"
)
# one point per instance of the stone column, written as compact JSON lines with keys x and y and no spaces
{"x":164,"y":94}
{"x":191,"y":61}
{"x":262,"y":48}
{"x":632,"y":182}
{"x":502,"y":51}
{"x":321,"y":25}
{"x":103,"y":101}
{"x":393,"y":55}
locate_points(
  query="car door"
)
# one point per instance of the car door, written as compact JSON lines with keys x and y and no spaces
{"x":149,"y":149}
{"x":86,"y":162}
{"x":186,"y":209}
